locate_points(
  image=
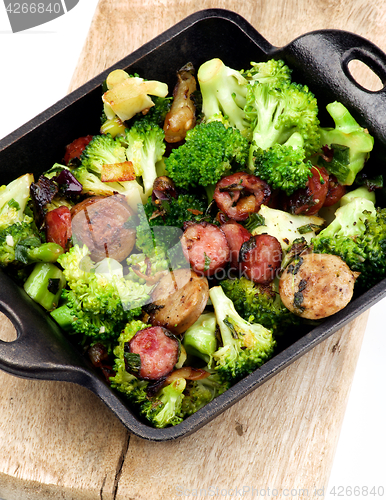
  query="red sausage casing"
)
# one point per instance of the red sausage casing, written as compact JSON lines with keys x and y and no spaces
{"x":158,"y":350}
{"x":310,"y":200}
{"x":240,"y":194}
{"x":206,"y":248}
{"x":58,"y":226}
{"x":260,"y":258}
{"x":236,"y":235}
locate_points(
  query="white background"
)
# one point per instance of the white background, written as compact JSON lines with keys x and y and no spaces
{"x":35,"y":71}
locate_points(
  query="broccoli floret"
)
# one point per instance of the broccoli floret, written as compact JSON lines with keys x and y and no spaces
{"x":275,"y":113}
{"x":101,"y":304}
{"x":287,"y":227}
{"x":284,"y":166}
{"x":199,"y":393}
{"x":102,"y":150}
{"x":349,"y":143}
{"x":259,"y":304}
{"x":209,"y":152}
{"x":200,"y":339}
{"x":273,"y":72}
{"x":245,"y":346}
{"x":358,"y":236}
{"x":145,"y":147}
{"x":156,"y":114}
{"x":164,"y":408}
{"x":21,"y":243}
{"x":20,"y":240}
{"x":176,"y":211}
{"x":223,"y":92}
{"x":13,"y":200}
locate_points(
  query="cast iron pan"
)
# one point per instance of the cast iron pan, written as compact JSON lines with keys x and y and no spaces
{"x":320,"y":59}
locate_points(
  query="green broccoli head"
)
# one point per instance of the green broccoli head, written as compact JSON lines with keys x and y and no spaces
{"x":102,"y":150}
{"x":199,"y":393}
{"x":276,"y":113}
{"x":175,"y":211}
{"x":348,"y":145}
{"x":273,"y":72}
{"x":209,"y":153}
{"x":245,"y":346}
{"x":284,"y":166}
{"x":223,"y":92}
{"x":260,"y":304}
{"x":112,"y":300}
{"x":164,"y":409}
{"x":145,"y":147}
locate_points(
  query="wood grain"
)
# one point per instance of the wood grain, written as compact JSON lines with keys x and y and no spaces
{"x":283,"y":435}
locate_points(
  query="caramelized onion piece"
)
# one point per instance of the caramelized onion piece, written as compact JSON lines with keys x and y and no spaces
{"x":182,"y":114}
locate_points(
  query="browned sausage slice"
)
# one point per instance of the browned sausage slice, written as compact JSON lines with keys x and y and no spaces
{"x":240,"y":194}
{"x":206,"y":248}
{"x":317,"y":286}
{"x":236,"y":235}
{"x":101,"y":224}
{"x":158,"y":350}
{"x":178,"y":300}
{"x":260,"y":258}
{"x":309,"y":201}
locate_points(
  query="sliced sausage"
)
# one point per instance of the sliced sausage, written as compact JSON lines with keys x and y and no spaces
{"x":76,"y":148}
{"x":158,"y":350}
{"x":240,"y":194}
{"x":236,"y":235}
{"x":317,"y":285}
{"x":309,"y":201}
{"x":101,"y":223}
{"x":178,"y":300}
{"x":206,"y":248}
{"x":58,"y":226}
{"x":260,"y":258}
{"x":335,"y":191}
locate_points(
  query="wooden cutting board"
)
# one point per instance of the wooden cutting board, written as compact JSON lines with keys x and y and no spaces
{"x":58,"y":440}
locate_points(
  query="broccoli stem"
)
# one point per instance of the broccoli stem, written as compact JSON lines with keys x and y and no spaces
{"x":45,"y":284}
{"x":64,"y":317}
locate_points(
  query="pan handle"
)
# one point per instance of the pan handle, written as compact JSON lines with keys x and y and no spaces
{"x":322,"y":57}
{"x":40,"y":349}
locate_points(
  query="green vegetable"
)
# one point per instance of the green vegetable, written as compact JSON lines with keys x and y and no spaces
{"x":199,"y":393}
{"x":145,"y":147}
{"x":284,"y":166}
{"x":260,"y":304}
{"x":101,"y":303}
{"x":351,"y":144}
{"x":223,"y":90}
{"x":245,"y":346}
{"x":210,"y":152}
{"x":276,"y":113}
{"x":44,"y":285}
{"x":200,"y":339}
